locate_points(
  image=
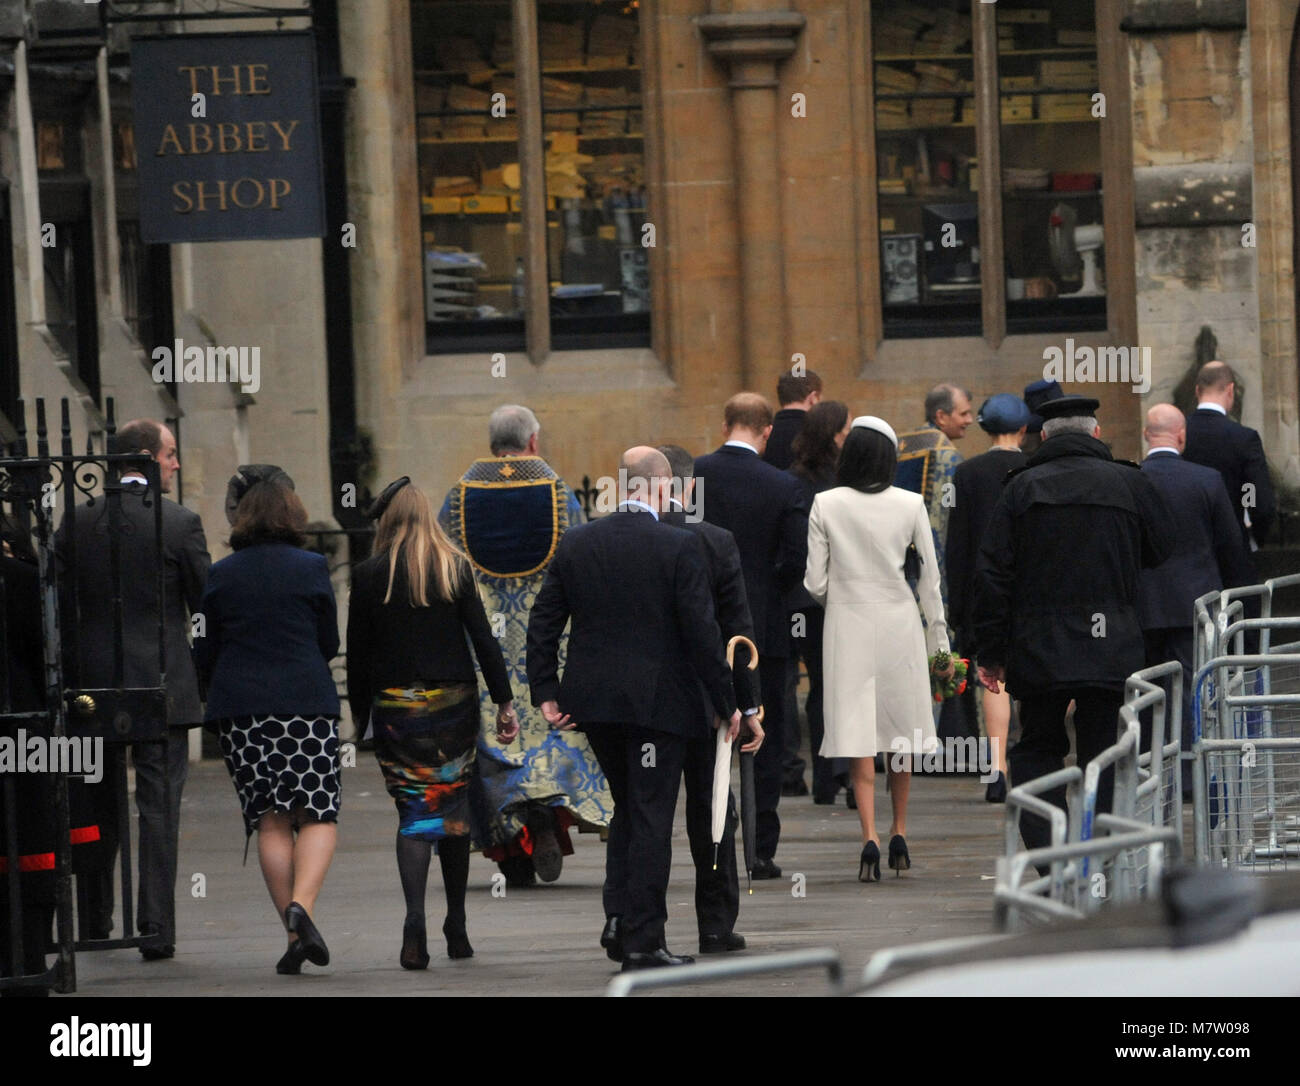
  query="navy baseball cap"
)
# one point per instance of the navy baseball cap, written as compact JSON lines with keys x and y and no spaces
{"x":1003,"y":414}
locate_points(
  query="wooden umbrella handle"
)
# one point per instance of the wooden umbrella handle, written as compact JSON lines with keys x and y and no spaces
{"x":741,"y":639}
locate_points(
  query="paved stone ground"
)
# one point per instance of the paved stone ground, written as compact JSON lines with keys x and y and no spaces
{"x":543,"y":941}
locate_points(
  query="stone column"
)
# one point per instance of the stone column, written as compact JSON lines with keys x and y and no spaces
{"x":752,"y":42}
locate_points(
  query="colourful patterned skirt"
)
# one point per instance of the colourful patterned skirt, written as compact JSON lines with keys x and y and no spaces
{"x":425,"y":740}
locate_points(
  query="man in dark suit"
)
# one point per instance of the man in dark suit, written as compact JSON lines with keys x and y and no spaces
{"x":160,"y":768}
{"x":766,"y":510}
{"x":1208,"y":554}
{"x":642,"y":637}
{"x":797,"y":394}
{"x":717,"y":892}
{"x":1234,"y":451}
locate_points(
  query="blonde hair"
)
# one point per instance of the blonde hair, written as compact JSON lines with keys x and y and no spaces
{"x":408,"y":529}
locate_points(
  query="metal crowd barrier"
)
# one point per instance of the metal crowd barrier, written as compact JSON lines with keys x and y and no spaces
{"x":1246,"y":769}
{"x":1093,"y":858}
{"x":626,"y":984}
{"x":1214,"y":612}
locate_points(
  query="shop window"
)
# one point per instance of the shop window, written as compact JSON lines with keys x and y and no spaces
{"x":931,"y":70}
{"x":467,"y":69}
{"x":67,"y":238}
{"x":1051,"y":167}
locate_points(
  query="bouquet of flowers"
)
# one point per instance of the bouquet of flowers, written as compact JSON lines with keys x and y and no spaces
{"x":942,"y":689}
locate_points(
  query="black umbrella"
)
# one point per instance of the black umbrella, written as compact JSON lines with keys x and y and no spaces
{"x":722,"y":775}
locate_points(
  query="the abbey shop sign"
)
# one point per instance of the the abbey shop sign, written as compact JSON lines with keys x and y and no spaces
{"x":227,"y":139}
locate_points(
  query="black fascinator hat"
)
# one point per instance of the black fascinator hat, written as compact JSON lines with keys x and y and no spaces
{"x":380,"y":504}
{"x":245,"y":478}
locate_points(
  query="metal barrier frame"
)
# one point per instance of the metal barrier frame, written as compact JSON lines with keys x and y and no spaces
{"x":626,"y":984}
{"x":1214,"y":741}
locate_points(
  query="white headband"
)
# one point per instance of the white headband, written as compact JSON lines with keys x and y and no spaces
{"x":871,"y":422}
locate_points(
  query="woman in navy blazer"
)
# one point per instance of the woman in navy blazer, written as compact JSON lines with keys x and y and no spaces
{"x":270,"y":632}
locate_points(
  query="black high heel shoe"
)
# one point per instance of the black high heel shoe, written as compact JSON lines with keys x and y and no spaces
{"x":899,"y":860}
{"x":457,"y":941}
{"x":869,"y":865}
{"x":415,"y":949}
{"x":313,"y":946}
{"x":291,"y":964}
{"x":996,"y":792}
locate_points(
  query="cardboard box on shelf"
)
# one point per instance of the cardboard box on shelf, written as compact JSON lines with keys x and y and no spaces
{"x":454,"y":186}
{"x":484,"y":205}
{"x":440,"y":205}
{"x":1018,"y":82}
{"x":1017,"y":113}
{"x":567,"y":122}
{"x":563,"y":143}
{"x":461,"y":97}
{"x":560,"y":93}
{"x":560,"y":44}
{"x":500,"y":181}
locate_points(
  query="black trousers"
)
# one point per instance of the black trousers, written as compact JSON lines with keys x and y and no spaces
{"x":644,"y":771}
{"x":717,"y":893}
{"x":1163,"y":645}
{"x":792,"y":763}
{"x":159,"y":820}
{"x":769,"y":761}
{"x":1044,"y":744}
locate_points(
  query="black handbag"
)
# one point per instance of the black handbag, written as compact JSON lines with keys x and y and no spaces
{"x":912,"y":565}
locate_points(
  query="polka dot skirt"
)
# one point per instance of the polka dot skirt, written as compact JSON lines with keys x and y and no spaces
{"x":283,"y":763}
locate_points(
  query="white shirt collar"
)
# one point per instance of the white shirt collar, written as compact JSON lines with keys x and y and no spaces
{"x":1163,"y":449}
{"x":1212,"y":406}
{"x":632,"y":502}
{"x":743,"y":445}
{"x":134,"y":477}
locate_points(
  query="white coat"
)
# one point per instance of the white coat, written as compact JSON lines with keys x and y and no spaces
{"x":875,"y":652}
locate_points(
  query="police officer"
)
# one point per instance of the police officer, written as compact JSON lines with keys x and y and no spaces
{"x":1056,"y":585}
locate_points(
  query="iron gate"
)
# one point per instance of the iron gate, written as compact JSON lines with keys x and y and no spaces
{"x":93,"y":707}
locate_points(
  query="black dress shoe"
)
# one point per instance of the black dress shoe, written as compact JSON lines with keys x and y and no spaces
{"x":156,"y":953}
{"x":795,"y":787}
{"x":313,"y":946}
{"x":415,"y":945}
{"x":632,"y":961}
{"x":458,"y":945}
{"x":899,"y":860}
{"x":996,"y":792}
{"x":765,"y":869}
{"x":611,"y":938}
{"x":720,"y":944}
{"x":850,"y":800}
{"x":824,"y":799}
{"x":291,"y":964}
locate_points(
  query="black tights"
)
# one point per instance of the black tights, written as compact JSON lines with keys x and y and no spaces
{"x":413,"y":867}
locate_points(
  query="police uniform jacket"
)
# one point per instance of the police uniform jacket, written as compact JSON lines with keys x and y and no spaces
{"x":1056,"y":584}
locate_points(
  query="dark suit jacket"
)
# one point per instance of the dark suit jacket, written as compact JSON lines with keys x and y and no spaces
{"x":729,"y":602}
{"x":1208,"y":550}
{"x":977,"y":485}
{"x":272,"y":630}
{"x":767,"y":511}
{"x":780,"y":442}
{"x":185,"y":561}
{"x":1237,"y":454}
{"x":393,"y":643}
{"x":642,"y":628}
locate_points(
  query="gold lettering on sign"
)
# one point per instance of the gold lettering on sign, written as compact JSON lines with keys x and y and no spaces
{"x":226,"y":138}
